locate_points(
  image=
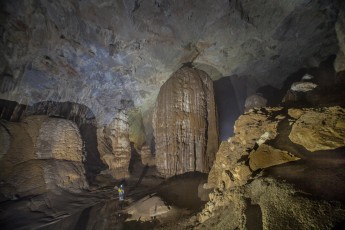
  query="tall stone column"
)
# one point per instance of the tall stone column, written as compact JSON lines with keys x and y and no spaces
{"x":114,"y":146}
{"x":185,"y":123}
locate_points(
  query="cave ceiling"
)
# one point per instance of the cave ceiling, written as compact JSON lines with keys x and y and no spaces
{"x":112,"y":55}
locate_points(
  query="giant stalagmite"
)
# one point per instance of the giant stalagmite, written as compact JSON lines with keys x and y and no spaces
{"x":114,"y":146}
{"x":185,"y":123}
{"x":40,"y":154}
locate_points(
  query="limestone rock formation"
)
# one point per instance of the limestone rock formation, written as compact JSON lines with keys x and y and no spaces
{"x":244,"y":197}
{"x":267,"y":203}
{"x":266,"y":156}
{"x":185,"y":123}
{"x":148,"y":208}
{"x":147,"y":158}
{"x":100,"y":53}
{"x":303,"y":86}
{"x":40,"y":154}
{"x":114,"y":146}
{"x":136,"y":128}
{"x":320,"y":129}
{"x":257,"y":125}
{"x":255,"y":101}
{"x":67,"y":145}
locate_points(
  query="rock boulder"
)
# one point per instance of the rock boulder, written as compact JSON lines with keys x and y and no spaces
{"x":320,"y":129}
{"x":266,"y":156}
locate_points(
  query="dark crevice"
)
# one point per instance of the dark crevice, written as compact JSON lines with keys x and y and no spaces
{"x":136,"y":5}
{"x":253,"y":216}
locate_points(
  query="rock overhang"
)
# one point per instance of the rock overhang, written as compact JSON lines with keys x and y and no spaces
{"x":104,"y":54}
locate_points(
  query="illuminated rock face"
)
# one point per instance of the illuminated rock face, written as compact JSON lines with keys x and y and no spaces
{"x":185,"y":123}
{"x":40,"y":154}
{"x":319,"y":129}
{"x":269,"y":143}
{"x":266,"y":156}
{"x":114,"y":146}
{"x":99,"y":53}
{"x":251,"y":129}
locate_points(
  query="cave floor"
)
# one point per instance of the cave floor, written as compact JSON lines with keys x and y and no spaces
{"x":100,"y":208}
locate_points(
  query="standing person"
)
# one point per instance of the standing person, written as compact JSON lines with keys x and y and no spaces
{"x":121,"y":193}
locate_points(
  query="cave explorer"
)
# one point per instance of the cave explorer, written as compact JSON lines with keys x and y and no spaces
{"x":121,"y":192}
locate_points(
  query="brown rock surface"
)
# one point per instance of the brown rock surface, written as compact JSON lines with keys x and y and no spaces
{"x":150,"y":207}
{"x":244,"y":200}
{"x":185,"y":123}
{"x":146,"y":156}
{"x":268,"y":204}
{"x":252,"y":128}
{"x":67,"y":145}
{"x":42,"y":153}
{"x":320,"y":129}
{"x":266,"y":156}
{"x":114,"y":146}
{"x":136,"y":128}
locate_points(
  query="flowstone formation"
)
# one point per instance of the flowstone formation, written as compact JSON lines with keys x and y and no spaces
{"x":40,"y":154}
{"x":185,"y":123}
{"x":269,"y":174}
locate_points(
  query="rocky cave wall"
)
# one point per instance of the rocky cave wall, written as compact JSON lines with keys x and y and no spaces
{"x":185,"y":123}
{"x":114,"y":146}
{"x":104,"y":53}
{"x":273,"y":172}
{"x":34,"y":159}
{"x":112,"y":58}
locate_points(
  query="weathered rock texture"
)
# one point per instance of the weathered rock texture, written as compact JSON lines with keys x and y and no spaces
{"x":247,"y":198}
{"x":114,"y":146}
{"x":136,"y":128}
{"x":319,"y":129}
{"x":266,"y":204}
{"x":266,"y":156}
{"x":258,"y":125}
{"x":77,"y":113}
{"x":255,"y":101}
{"x":102,"y":53}
{"x":185,"y":123}
{"x":40,"y":154}
{"x":63,"y":144}
{"x":147,"y":158}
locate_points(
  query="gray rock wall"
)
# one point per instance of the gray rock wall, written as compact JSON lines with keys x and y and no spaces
{"x":103,"y":54}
